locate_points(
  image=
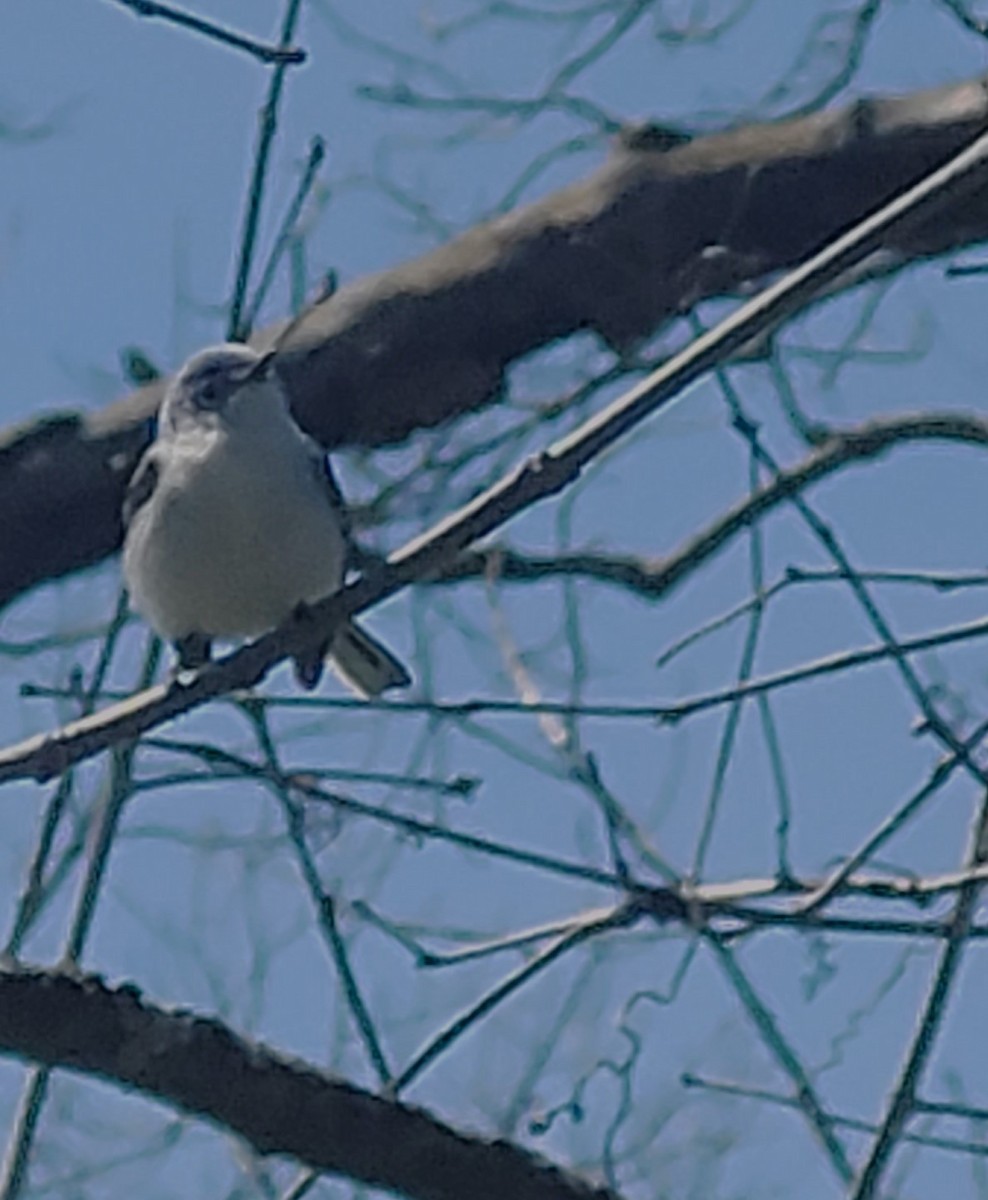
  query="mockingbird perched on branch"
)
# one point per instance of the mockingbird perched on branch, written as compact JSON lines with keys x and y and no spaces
{"x":234,"y":521}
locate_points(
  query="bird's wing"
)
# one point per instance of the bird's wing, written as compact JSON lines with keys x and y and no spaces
{"x":141,"y":487}
{"x":323,"y":471}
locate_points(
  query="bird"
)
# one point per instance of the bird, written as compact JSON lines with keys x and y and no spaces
{"x":234,"y":522}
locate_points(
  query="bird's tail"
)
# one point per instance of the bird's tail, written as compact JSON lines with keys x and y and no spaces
{"x":363,"y":663}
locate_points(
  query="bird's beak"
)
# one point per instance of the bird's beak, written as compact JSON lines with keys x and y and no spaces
{"x":259,"y":369}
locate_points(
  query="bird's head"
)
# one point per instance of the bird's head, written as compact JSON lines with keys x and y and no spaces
{"x":223,"y":386}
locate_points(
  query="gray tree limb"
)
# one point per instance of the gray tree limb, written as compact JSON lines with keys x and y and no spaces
{"x":651,"y":579}
{"x":645,"y":237}
{"x":278,"y":1104}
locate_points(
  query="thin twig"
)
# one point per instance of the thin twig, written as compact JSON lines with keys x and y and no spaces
{"x":616,"y":918}
{"x":831,"y":664}
{"x":224,"y":763}
{"x":324,"y":903}
{"x":732,"y":723}
{"x":118,"y":790}
{"x":938,"y":581}
{"x":902,"y":1102}
{"x":818,"y":1119}
{"x":267,"y":128}
{"x":32,"y":899}
{"x":317,"y":152}
{"x":285,"y":55}
{"x":824,"y":534}
{"x":893,"y":823}
{"x":955,"y":1145}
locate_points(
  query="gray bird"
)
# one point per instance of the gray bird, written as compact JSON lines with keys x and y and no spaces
{"x":234,"y":522}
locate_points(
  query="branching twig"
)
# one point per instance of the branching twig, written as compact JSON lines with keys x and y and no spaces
{"x":808,"y":1102}
{"x":314,"y":159}
{"x":653,"y":579}
{"x":285,"y":55}
{"x":956,"y":1145}
{"x":825,"y":666}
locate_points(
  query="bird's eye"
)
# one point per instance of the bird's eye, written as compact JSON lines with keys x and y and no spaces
{"x":210,"y":395}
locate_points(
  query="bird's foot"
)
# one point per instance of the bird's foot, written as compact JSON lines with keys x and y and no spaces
{"x":192,"y":651}
{"x":309,"y":663}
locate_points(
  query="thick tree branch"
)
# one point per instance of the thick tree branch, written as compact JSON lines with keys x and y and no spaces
{"x":645,"y":237}
{"x":543,"y":475}
{"x":279,"y":1105}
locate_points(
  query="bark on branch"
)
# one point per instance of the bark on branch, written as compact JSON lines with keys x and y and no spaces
{"x":643,"y":238}
{"x":279,"y":1105}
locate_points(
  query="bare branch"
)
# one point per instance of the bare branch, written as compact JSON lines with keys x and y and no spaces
{"x":286,"y":55}
{"x":655,"y":578}
{"x":956,"y":1145}
{"x":237,"y":330}
{"x":279,"y":1105}
{"x":902,"y":1100}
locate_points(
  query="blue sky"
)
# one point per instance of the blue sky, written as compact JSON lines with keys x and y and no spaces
{"x":119,"y":228}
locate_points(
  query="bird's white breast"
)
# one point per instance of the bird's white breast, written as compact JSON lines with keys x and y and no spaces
{"x":233,"y":538}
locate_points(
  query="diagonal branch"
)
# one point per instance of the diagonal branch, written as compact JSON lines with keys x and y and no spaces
{"x":260,"y":50}
{"x":619,"y":253}
{"x":902,"y":1102}
{"x":279,"y":1105}
{"x":542,"y":476}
